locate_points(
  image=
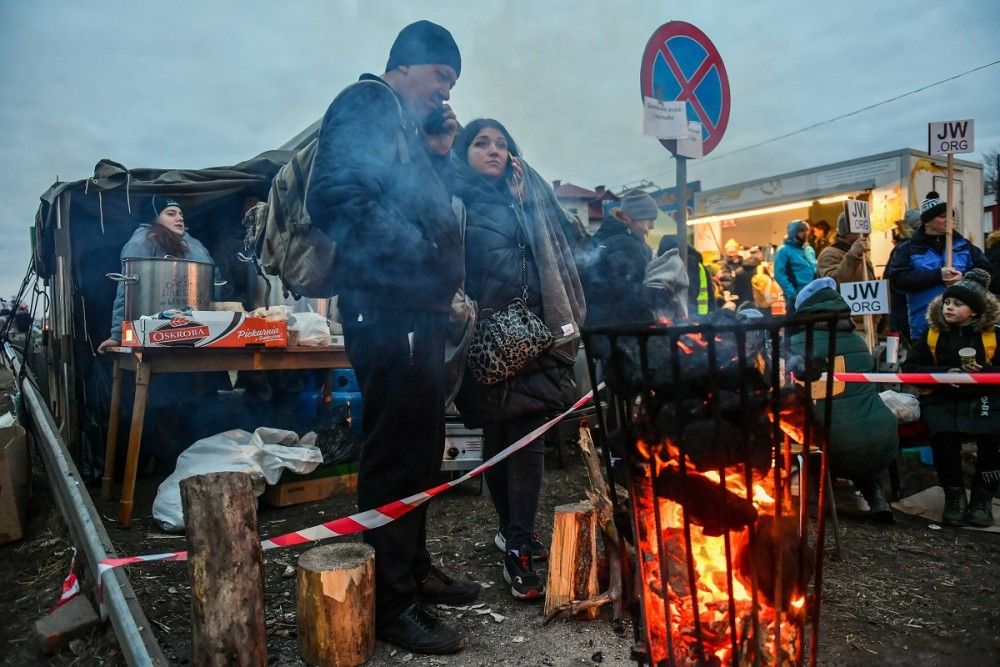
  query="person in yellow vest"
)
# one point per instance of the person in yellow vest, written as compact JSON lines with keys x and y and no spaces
{"x":962,"y":338}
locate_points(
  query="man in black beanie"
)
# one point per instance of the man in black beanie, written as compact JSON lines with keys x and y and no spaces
{"x":381,"y":197}
{"x":917,"y":266}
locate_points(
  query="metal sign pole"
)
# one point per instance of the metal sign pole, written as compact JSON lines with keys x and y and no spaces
{"x":681,"y":218}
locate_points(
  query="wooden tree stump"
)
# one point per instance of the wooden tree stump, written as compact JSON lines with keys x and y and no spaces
{"x":573,"y":559}
{"x":336,"y":604}
{"x":227,"y":576}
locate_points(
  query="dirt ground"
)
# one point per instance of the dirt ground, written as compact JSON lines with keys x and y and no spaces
{"x":904,"y":594}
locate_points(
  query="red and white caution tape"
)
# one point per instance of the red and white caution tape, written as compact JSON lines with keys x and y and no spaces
{"x":917,"y":378}
{"x":362,"y":521}
{"x":70,"y":586}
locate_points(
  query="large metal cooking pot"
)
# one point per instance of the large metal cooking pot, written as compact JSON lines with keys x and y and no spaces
{"x":155,"y":284}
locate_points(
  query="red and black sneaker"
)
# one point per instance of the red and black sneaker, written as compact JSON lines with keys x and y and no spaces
{"x":518,"y":571}
{"x":538,"y":550}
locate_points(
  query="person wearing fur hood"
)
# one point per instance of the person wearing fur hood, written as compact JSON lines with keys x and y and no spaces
{"x":963,"y":320}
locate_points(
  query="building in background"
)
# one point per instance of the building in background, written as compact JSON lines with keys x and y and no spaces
{"x":758,"y":212}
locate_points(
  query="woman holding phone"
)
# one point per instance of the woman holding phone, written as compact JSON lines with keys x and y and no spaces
{"x":515,"y":246}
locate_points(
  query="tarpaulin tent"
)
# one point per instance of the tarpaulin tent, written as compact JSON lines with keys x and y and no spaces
{"x":80,"y":229}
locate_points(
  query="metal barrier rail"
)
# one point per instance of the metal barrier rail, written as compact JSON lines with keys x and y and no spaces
{"x":132,"y":628}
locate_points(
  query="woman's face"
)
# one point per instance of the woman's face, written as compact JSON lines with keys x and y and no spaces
{"x":488,"y":153}
{"x":173,"y":219}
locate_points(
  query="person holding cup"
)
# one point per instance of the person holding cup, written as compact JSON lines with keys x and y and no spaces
{"x":962,"y":338}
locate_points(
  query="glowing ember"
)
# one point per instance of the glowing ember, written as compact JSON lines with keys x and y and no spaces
{"x":721,"y":609}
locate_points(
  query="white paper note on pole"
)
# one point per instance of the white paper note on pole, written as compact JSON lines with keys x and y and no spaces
{"x":664,"y":120}
{"x":857,"y":216}
{"x":690,"y":146}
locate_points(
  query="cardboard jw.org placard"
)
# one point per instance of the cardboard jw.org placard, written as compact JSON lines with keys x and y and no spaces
{"x":870,"y":297}
{"x":951,"y":136}
{"x":858,"y":218}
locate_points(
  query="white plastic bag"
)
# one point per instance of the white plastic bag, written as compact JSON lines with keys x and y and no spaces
{"x":263,"y":454}
{"x":313,"y":329}
{"x":906,"y":407}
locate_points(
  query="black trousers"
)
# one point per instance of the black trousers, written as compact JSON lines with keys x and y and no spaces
{"x":398,"y":357}
{"x":947,"y":449}
{"x":516,"y":482}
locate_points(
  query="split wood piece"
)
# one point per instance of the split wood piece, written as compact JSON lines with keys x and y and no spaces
{"x":600,"y":498}
{"x":336,"y":604}
{"x":227,"y":575}
{"x":573,"y":559}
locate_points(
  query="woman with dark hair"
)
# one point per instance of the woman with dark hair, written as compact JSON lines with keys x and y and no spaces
{"x":516,"y":248}
{"x":165,"y":235}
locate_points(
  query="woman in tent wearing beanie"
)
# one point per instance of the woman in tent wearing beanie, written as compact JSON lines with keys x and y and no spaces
{"x":516,"y":248}
{"x":917,"y":267}
{"x":962,"y":337}
{"x":165,"y":235}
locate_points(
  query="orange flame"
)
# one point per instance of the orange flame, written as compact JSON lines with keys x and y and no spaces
{"x":714,"y":577}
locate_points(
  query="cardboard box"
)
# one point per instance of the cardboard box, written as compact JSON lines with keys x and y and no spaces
{"x":320,"y":484}
{"x":205,"y":328}
{"x":13,"y":483}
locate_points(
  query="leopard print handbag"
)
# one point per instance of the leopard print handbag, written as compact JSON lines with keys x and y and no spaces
{"x":507,"y":338}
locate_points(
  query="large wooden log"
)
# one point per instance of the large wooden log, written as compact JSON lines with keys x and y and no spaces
{"x":573,"y":559}
{"x":336,"y":605}
{"x":227,"y":576}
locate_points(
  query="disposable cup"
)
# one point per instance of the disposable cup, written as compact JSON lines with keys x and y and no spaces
{"x":967,"y":355}
{"x":892,"y":349}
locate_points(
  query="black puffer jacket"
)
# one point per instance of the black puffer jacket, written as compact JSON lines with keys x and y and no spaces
{"x":493,"y":278}
{"x":612,"y":271}
{"x":398,"y":241}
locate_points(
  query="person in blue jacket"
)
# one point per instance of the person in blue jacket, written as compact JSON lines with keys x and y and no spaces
{"x":917,"y":267}
{"x":165,"y":235}
{"x":795,"y":262}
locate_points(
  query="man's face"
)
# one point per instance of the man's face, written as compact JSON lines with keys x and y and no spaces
{"x":936,"y":226}
{"x":425,"y":87}
{"x":640,"y":228}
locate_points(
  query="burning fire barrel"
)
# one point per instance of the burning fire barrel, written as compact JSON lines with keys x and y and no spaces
{"x":726,"y":565}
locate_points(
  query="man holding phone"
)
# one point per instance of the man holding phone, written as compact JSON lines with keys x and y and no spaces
{"x":379,"y":190}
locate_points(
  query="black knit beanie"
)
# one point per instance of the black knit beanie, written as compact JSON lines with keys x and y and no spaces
{"x":932,"y":207}
{"x":972,"y":290}
{"x":424,"y":43}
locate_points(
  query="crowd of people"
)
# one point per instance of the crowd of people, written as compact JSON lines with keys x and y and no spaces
{"x":423,"y":209}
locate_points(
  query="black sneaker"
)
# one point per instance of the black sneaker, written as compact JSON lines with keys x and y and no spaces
{"x":954,"y":506}
{"x":518,"y":571}
{"x":538,"y":550}
{"x":980,"y":512}
{"x":419,"y":631}
{"x":438,"y":588}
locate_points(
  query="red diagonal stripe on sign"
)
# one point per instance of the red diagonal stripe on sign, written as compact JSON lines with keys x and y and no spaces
{"x":688,"y":85}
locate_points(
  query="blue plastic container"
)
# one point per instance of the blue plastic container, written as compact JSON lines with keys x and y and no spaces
{"x":344,"y":379}
{"x":340,"y":398}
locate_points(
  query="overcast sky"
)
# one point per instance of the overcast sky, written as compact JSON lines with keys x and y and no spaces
{"x":200,"y":84}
